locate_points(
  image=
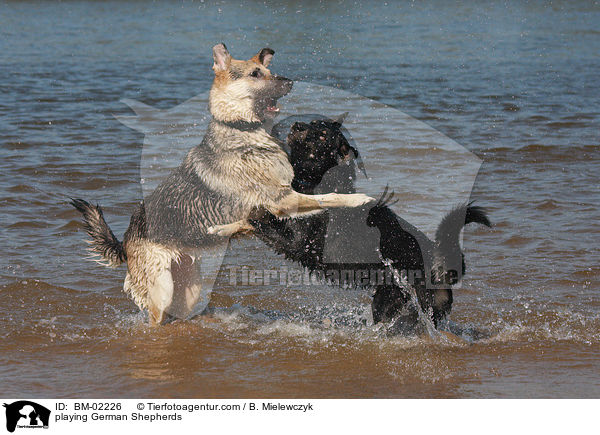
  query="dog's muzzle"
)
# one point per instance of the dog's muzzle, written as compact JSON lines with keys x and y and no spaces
{"x":283,"y":84}
{"x":280,"y":86}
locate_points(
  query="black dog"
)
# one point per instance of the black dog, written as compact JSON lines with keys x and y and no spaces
{"x":342,"y":245}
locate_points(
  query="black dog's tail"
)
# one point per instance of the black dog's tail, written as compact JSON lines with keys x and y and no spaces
{"x":103,"y":240}
{"x":448,"y":254}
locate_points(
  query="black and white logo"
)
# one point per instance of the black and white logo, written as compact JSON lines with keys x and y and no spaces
{"x":26,"y":414}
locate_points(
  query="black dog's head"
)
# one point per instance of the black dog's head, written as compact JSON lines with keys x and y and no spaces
{"x":317,"y":147}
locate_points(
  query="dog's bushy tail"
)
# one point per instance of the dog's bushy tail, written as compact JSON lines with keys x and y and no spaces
{"x":448,"y":253}
{"x":104,"y":242}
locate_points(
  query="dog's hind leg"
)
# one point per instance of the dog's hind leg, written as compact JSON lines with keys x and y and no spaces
{"x":160,"y":296}
{"x":156,"y":316}
{"x":175,"y":291}
{"x":187,"y":285}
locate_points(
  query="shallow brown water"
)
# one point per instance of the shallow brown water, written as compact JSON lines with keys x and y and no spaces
{"x":517,"y":87}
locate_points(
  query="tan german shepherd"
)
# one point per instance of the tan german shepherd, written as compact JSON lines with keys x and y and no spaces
{"x":237,"y":169}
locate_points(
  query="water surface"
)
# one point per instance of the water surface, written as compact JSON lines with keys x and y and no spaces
{"x":516,"y":85}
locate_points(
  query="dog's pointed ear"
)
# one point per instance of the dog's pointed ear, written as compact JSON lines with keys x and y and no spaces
{"x":298,"y":132}
{"x":221,"y":57}
{"x":299,"y":125}
{"x":301,"y":136}
{"x":341,"y":118}
{"x":264,"y":56}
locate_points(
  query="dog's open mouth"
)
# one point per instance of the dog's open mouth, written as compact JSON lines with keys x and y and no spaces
{"x":271,"y":105}
{"x":267,"y":108}
{"x":267,"y":102}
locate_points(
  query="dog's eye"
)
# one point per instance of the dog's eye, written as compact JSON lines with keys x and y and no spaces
{"x":256,"y":73}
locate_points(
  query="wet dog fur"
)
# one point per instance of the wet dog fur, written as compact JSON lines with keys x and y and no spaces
{"x":237,"y":169}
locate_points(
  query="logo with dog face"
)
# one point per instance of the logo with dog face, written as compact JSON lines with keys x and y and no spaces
{"x":25,"y":414}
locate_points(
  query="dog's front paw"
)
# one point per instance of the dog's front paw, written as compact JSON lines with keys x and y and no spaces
{"x":359,"y":199}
